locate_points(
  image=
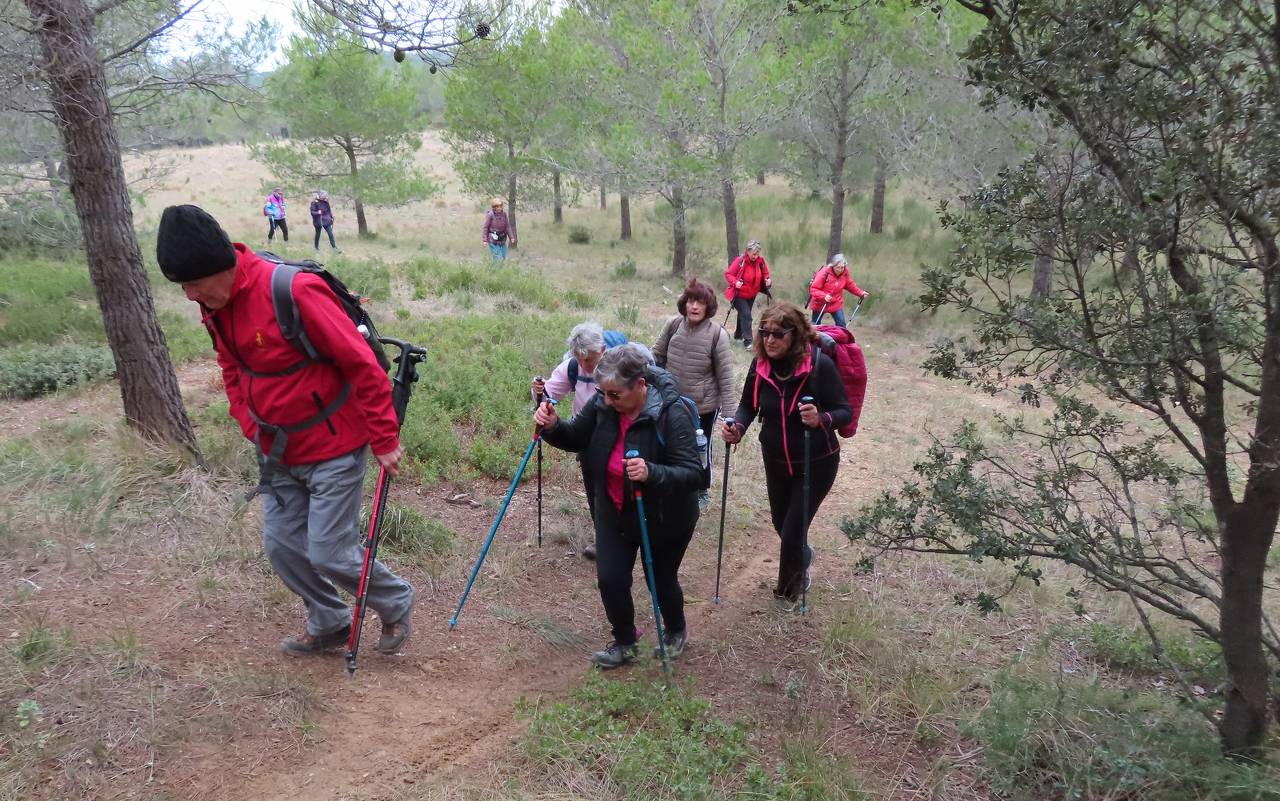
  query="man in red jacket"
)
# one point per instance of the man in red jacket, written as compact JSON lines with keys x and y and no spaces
{"x":313,"y":423}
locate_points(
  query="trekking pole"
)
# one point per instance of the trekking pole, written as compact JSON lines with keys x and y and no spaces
{"x":854,"y":313}
{"x":724,"y":500}
{"x":401,"y":389}
{"x":804,"y":510}
{"x":502,"y":512}
{"x":540,"y":397}
{"x":647,"y":553}
{"x":820,"y":313}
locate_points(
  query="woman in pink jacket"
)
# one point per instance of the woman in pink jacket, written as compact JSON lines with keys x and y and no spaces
{"x":826,"y":293}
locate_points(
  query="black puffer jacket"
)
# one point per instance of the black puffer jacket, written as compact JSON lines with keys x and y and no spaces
{"x":774,"y":401}
{"x":675,"y":471}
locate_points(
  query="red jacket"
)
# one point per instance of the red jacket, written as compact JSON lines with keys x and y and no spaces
{"x":752,"y":273}
{"x":826,"y":282}
{"x":247,"y":327}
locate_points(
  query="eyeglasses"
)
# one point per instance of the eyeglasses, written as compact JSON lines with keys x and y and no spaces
{"x":774,"y":333}
{"x":611,"y":394}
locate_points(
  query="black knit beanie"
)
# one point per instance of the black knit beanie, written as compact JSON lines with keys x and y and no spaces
{"x":191,"y":245}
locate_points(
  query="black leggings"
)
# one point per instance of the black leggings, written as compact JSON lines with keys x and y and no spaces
{"x":743,"y":329}
{"x":617,"y":541}
{"x":274,"y":223}
{"x":785,"y":501}
{"x":329,"y":230}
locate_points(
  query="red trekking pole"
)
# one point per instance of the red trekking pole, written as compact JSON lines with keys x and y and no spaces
{"x":401,"y":389}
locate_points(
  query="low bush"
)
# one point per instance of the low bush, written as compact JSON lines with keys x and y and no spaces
{"x":431,"y":277}
{"x":579,"y":235}
{"x":625,"y":269}
{"x":411,"y":535}
{"x":1080,"y":741}
{"x":28,"y":371}
{"x":628,"y":314}
{"x":1197,"y":658}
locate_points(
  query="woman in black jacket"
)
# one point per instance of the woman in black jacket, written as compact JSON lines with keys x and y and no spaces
{"x":788,"y":366}
{"x":637,"y":407}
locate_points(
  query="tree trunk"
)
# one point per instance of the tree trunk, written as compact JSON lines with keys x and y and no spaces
{"x":840,"y":157}
{"x":624,"y":203}
{"x":55,"y":183}
{"x":877,"y":196}
{"x":1246,"y":538}
{"x":679,"y":236}
{"x":730,"y":203}
{"x":1042,"y":277}
{"x":511,"y":209}
{"x":760,"y":178}
{"x":362,"y":224}
{"x":78,"y":93}
{"x":557,"y":215}
{"x":604,"y":196}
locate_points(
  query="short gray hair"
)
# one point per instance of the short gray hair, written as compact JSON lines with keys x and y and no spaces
{"x":840,"y":259}
{"x":623,"y":364}
{"x":585,"y":339}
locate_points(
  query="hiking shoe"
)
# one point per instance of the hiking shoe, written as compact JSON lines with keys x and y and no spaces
{"x":615,"y":655}
{"x":305,"y":644}
{"x":589,"y":552}
{"x":396,"y":634}
{"x":675,"y":643}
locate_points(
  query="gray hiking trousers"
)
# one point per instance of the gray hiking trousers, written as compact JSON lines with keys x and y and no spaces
{"x":310,"y":533}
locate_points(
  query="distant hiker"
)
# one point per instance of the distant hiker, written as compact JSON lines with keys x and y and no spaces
{"x":826,"y":293}
{"x":314,"y":423}
{"x":273,"y":210}
{"x":322,"y":218}
{"x":789,"y":365}
{"x":697,"y":352}
{"x":499,"y":230}
{"x":746,"y":277}
{"x":587,"y":343}
{"x":638,"y":407}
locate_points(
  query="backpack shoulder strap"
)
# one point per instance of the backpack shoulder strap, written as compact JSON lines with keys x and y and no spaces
{"x":286,"y":309}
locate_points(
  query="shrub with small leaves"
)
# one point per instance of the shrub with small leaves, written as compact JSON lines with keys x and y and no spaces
{"x":579,"y":235}
{"x":625,"y":269}
{"x":28,"y":371}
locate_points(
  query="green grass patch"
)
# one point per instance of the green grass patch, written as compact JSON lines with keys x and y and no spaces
{"x":46,"y":300}
{"x":411,"y":536}
{"x":637,"y":741}
{"x":1130,"y":650}
{"x":1054,"y":738}
{"x":432,"y":277}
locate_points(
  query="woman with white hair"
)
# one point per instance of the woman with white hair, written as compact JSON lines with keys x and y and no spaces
{"x":322,"y":218}
{"x":587,"y":343}
{"x":826,"y":293}
{"x":637,"y":407}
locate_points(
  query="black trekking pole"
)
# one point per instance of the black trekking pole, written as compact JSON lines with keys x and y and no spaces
{"x":540,"y":397}
{"x":401,"y":389}
{"x":804,"y":509}
{"x":647,"y":553}
{"x":854,"y":313}
{"x":724,"y":501}
{"x":502,"y":512}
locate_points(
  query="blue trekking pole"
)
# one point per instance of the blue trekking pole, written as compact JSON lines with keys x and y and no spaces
{"x":484,"y":550}
{"x":647,"y":552}
{"x":724,"y":502}
{"x":804,"y":510}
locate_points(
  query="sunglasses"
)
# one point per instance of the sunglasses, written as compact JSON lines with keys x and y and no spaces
{"x":774,"y":333}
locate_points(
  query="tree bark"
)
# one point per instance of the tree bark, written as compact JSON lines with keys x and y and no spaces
{"x":877,"y":196}
{"x":760,"y":178}
{"x":78,"y":92}
{"x":730,"y":203}
{"x":1042,"y":277}
{"x":511,"y":194}
{"x":362,"y":224}
{"x":624,"y":203}
{"x":558,"y":203}
{"x":1246,"y":539}
{"x":679,"y":235}
{"x":840,"y":157}
{"x":604,"y":196}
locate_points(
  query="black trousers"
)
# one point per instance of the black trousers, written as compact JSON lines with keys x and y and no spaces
{"x":785,"y":502}
{"x":617,"y":542}
{"x":743,"y":329}
{"x":274,"y":224}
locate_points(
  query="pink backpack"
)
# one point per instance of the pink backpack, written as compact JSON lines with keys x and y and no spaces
{"x":838,"y":343}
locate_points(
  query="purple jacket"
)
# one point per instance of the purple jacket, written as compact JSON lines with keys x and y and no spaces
{"x":498,"y":222}
{"x":321,"y":213}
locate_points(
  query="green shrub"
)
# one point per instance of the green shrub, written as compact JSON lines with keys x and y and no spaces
{"x":1068,"y":739}
{"x":411,"y":535}
{"x":431,"y":277}
{"x":370,"y":279}
{"x":628,"y":314}
{"x":27,"y":371}
{"x":581,"y":300}
{"x":1197,"y":658}
{"x":625,"y":269}
{"x":579,"y":235}
{"x":902,"y":233}
{"x":43,"y":300}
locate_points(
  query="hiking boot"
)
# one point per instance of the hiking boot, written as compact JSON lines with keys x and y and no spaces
{"x":396,"y":634}
{"x":675,"y":643}
{"x":589,"y":552}
{"x":615,"y":655}
{"x":305,"y":644}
